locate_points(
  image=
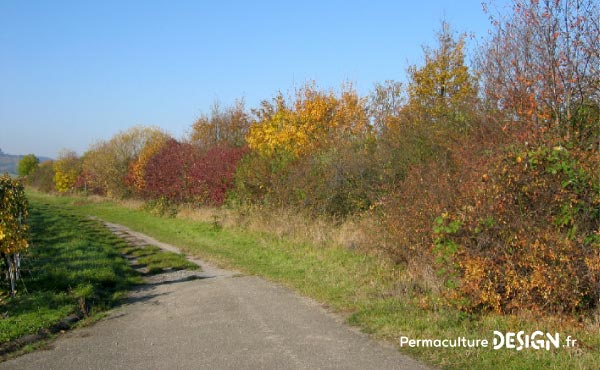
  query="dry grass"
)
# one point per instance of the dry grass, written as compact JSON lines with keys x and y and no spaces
{"x":291,"y":224}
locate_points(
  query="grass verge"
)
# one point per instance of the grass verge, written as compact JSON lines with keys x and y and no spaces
{"x":74,"y":265}
{"x":373,"y":293}
{"x":71,"y":267}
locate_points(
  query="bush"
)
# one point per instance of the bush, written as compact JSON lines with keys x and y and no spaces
{"x":530,"y":240}
{"x":13,"y":227}
{"x":182,"y":172}
{"x":42,"y":178}
{"x":339,"y":181}
{"x":215,"y":170}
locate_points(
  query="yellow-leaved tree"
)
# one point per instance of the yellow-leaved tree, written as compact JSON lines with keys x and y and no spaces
{"x":138,"y":167}
{"x":66,"y":170}
{"x":443,"y":90}
{"x":314,"y":120}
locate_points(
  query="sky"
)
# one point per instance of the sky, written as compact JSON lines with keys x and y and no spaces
{"x":75,"y":72}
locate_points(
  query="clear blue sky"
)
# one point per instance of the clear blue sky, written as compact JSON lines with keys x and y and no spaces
{"x":73,"y":72}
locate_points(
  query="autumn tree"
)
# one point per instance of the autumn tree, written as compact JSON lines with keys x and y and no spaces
{"x":27,"y":164}
{"x":67,"y":168}
{"x":313,"y":120}
{"x":311,"y":150}
{"x":42,"y":177}
{"x":385,"y":104}
{"x":542,"y":67}
{"x":443,"y":90}
{"x":223,"y":126}
{"x":107,"y":163}
{"x":137,"y":171}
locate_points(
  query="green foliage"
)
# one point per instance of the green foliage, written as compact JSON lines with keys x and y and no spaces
{"x":161,"y":206}
{"x":338,"y":181}
{"x":27,"y":165}
{"x":445,"y":249}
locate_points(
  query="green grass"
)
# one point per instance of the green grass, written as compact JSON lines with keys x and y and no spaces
{"x":70,"y":265}
{"x":361,"y":286}
{"x":157,"y":260}
{"x":74,"y":262}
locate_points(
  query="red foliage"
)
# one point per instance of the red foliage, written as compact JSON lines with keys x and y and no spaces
{"x":182,"y":172}
{"x":215,"y":170}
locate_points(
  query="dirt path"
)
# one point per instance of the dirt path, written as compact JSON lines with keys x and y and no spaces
{"x":215,"y":319}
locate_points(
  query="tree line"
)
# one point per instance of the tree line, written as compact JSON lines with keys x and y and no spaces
{"x":485,"y":174}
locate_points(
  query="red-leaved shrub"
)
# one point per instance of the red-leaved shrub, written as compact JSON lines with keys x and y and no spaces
{"x":182,"y":172}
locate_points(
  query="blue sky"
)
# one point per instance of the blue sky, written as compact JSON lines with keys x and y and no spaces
{"x":74,"y":72}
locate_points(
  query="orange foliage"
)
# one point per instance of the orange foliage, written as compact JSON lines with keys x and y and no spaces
{"x":530,"y":238}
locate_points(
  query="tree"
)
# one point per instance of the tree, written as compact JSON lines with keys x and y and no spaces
{"x":137,"y":171}
{"x":27,"y":165}
{"x":386,"y":103}
{"x":43,"y":177}
{"x":227,"y":126}
{"x":107,"y":163}
{"x":316,"y":119}
{"x":443,"y":90}
{"x":67,"y":168}
{"x":542,"y":67}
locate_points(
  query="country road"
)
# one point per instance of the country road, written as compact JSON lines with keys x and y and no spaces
{"x":214,"y":319}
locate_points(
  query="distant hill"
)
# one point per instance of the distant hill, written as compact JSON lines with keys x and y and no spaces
{"x":8,"y":162}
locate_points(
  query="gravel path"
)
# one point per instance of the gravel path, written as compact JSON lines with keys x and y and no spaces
{"x":213,"y":319}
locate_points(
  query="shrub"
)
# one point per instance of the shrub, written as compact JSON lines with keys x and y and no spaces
{"x":215,"y":170}
{"x":13,"y":227}
{"x":42,"y":178}
{"x":167,"y":172}
{"x":107,"y":164}
{"x":530,"y":240}
{"x":182,"y":172}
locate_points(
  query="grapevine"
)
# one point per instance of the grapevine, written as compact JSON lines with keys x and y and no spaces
{"x":13,"y":228}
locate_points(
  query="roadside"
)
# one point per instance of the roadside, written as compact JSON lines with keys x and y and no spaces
{"x":373,"y":295}
{"x":217,"y":319}
{"x":73,"y":271}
